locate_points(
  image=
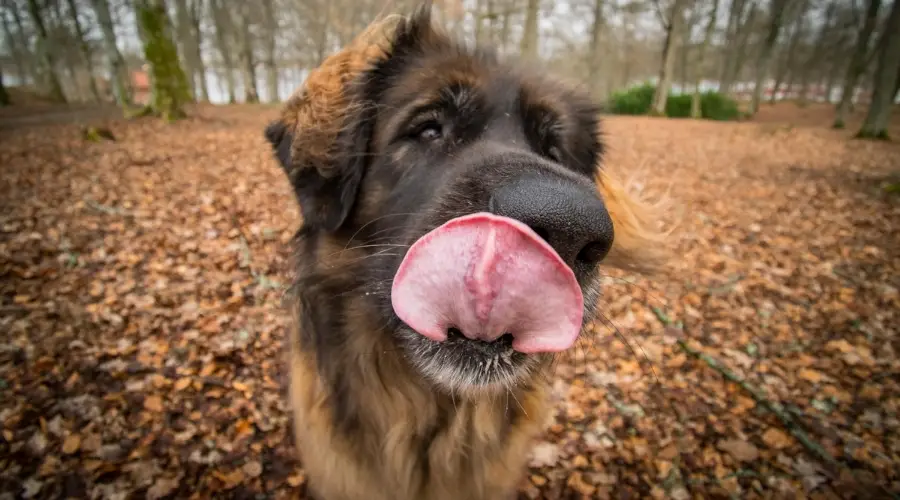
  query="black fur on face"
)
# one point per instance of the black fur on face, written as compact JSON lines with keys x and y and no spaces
{"x":431,"y":131}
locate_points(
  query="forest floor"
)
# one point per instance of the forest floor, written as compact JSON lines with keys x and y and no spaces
{"x":140,"y":287}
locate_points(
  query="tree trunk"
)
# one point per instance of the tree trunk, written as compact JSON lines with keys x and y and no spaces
{"x":186,"y":43}
{"x":786,"y":71}
{"x":17,"y":48}
{"x":897,"y":86}
{"x":739,"y":52}
{"x":45,"y":54}
{"x":117,"y":69}
{"x":60,"y":44}
{"x":734,"y":13}
{"x":685,"y":47}
{"x":170,"y":87}
{"x":478,"y":23}
{"x":529,"y":47}
{"x":594,"y":58}
{"x":809,"y":68}
{"x":776,"y":17}
{"x":85,"y":50}
{"x":833,"y":70}
{"x":223,"y":30}
{"x":22,"y":42}
{"x":857,"y":62}
{"x":4,"y":96}
{"x":322,"y":38}
{"x":696,"y":108}
{"x":199,"y":65}
{"x":504,"y":30}
{"x":248,"y":64}
{"x":271,"y":30}
{"x":885,"y":84}
{"x":673,"y":28}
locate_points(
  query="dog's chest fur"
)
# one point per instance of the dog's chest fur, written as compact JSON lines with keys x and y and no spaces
{"x":405,"y":441}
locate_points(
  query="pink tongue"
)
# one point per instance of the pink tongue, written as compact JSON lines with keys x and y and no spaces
{"x":487,"y":275}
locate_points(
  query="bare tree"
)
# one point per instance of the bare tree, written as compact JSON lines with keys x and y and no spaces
{"x":696,"y":111}
{"x":245,"y":53}
{"x":85,"y":49}
{"x":45,"y":53}
{"x":117,"y":69}
{"x":223,"y":30}
{"x":270,"y":33}
{"x":170,"y":87}
{"x":741,"y":18}
{"x":195,"y":12}
{"x":4,"y":95}
{"x":596,"y":47}
{"x":18,"y":45}
{"x":61,"y":44}
{"x":785,"y":70}
{"x":858,"y":62}
{"x":529,"y":46}
{"x":186,"y":44}
{"x":672,"y":26}
{"x":776,"y":17}
{"x":814,"y":60}
{"x":886,"y":80}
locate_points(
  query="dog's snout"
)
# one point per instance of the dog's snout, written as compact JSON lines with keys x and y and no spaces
{"x":568,"y":215}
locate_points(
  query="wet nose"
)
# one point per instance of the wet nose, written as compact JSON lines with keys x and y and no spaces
{"x":566,"y":214}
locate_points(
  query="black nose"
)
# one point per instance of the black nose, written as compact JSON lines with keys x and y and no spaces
{"x":568,"y":215}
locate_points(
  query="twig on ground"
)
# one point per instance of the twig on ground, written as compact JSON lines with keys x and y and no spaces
{"x":760,"y":397}
{"x":832,"y":466}
{"x":105,"y":209}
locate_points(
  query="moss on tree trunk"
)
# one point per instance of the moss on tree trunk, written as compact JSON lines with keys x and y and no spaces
{"x":169,"y":84}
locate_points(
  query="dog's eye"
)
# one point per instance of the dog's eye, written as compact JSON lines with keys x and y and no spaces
{"x":429,"y":131}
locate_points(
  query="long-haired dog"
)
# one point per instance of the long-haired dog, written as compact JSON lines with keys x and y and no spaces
{"x":454,"y":218}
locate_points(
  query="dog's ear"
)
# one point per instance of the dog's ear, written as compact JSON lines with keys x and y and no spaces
{"x":322,"y":137}
{"x":280,"y":139}
{"x":326,"y":191}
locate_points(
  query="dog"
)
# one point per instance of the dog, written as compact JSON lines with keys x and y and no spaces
{"x":454,"y":217}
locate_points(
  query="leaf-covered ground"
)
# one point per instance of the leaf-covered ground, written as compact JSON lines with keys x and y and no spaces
{"x":140,"y":286}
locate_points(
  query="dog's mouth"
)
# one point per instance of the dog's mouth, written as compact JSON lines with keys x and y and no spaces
{"x":491,"y":283}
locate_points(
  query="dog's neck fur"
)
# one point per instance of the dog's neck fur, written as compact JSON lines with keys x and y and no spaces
{"x":380,"y":410}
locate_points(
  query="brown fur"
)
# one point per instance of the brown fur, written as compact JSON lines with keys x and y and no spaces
{"x":367,"y":425}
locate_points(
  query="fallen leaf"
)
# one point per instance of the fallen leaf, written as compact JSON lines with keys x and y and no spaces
{"x":182,"y":384}
{"x":810,"y":375}
{"x":253,"y":469}
{"x":576,"y":482}
{"x":153,"y":403}
{"x":71,"y":444}
{"x":663,"y":468}
{"x":296,"y":480}
{"x":161,"y":488}
{"x":776,"y":438}
{"x":544,"y":454}
{"x":739,"y":449}
{"x":31,"y":487}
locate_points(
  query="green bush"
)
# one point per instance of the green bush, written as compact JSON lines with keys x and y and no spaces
{"x":637,"y":101}
{"x":679,"y":106}
{"x":634,"y":101}
{"x":718,"y":106}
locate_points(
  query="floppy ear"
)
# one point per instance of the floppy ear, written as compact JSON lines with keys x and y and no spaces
{"x":280,"y":139}
{"x":322,"y":138}
{"x":326,"y":193}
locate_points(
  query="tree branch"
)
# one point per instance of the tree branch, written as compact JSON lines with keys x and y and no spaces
{"x":660,"y":15}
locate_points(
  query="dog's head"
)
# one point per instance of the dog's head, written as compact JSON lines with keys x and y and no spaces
{"x":471,"y":185}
